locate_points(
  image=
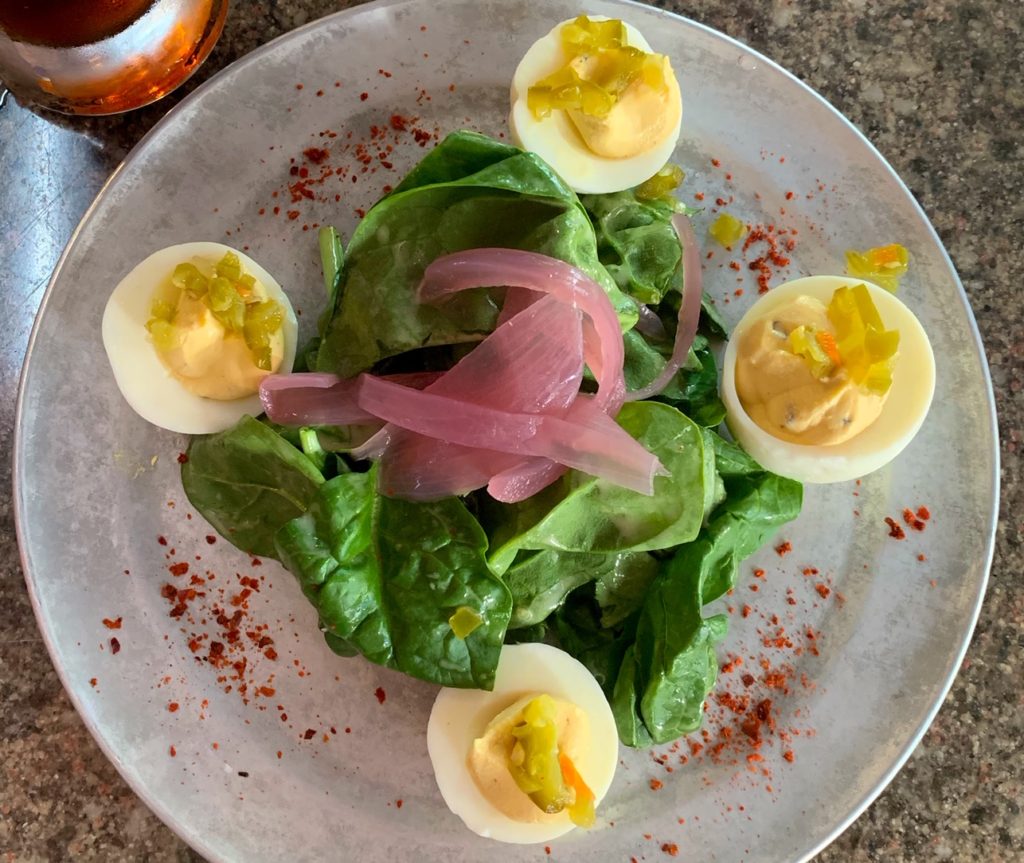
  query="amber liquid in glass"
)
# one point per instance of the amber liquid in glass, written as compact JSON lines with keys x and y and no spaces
{"x":103,"y":56}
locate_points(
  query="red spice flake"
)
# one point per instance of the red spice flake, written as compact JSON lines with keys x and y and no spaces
{"x":670,"y":848}
{"x":172,"y":707}
{"x":309,"y":734}
{"x":92,"y":682}
{"x":656,"y":785}
{"x":162,"y":540}
{"x":734,"y":265}
{"x":912,"y":520}
{"x":547,"y":850}
{"x":922,"y":558}
{"x":173,"y":752}
{"x":384,"y":72}
{"x":789,"y":196}
{"x":721,"y":202}
{"x":293,"y":214}
{"x":112,"y":624}
{"x":789,"y":756}
{"x":699,"y":196}
{"x":784,"y":549}
{"x":895,"y":531}
{"x":773,"y":257}
{"x":298,"y":86}
{"x":716,"y":163}
{"x":809,"y":570}
{"x":399,"y":802}
{"x":747,"y":679}
{"x":363,"y":97}
{"x":182,"y":458}
{"x":745,"y":611}
{"x":924,"y":513}
{"x":381,"y":695}
{"x":824,"y":591}
{"x":178,"y":569}
{"x":758,"y":573}
{"x":115,"y":646}
{"x":279,"y":754}
{"x":266,"y":691}
{"x":754,"y":588}
{"x":316,"y":155}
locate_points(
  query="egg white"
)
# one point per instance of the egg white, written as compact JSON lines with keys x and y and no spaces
{"x":555,"y":138}
{"x":151,"y":390}
{"x":913,"y":385}
{"x":459,"y":716}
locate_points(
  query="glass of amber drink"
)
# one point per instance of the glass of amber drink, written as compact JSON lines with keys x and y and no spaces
{"x":103,"y":56}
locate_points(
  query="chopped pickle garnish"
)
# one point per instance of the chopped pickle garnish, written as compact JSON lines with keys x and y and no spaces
{"x":661,"y":186}
{"x":581,"y":810}
{"x":610,"y":67}
{"x":803,"y":341}
{"x":229,"y":267}
{"x":465,"y":621}
{"x":163,"y":333}
{"x":533,"y":759}
{"x":262,"y":320}
{"x":883,"y":265}
{"x":583,"y":35}
{"x":727,"y":230}
{"x":866,"y":348}
{"x":232,"y":298}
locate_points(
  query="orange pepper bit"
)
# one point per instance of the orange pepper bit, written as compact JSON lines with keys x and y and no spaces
{"x":581,"y":812}
{"x":828,"y":344}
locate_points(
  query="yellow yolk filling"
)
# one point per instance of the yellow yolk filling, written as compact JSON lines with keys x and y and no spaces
{"x":218,"y":334}
{"x":816,"y":375}
{"x":622,"y":101}
{"x":525,"y":762}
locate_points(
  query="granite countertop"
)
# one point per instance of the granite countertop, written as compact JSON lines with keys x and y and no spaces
{"x":937,"y":86}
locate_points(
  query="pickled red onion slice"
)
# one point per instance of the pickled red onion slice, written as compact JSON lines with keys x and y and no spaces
{"x":509,"y":414}
{"x":313,"y":398}
{"x":513,"y":268}
{"x":689,"y":311}
{"x":531,"y":362}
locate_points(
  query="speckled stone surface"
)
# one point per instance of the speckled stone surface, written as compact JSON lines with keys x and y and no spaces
{"x":937,"y":86}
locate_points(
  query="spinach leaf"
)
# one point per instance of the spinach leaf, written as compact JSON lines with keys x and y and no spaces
{"x":540,"y":581}
{"x":637,"y":244}
{"x":585,"y":514}
{"x":673,"y":666}
{"x":581,"y":633}
{"x":386,"y":575}
{"x":469,"y":192}
{"x":754,"y":508}
{"x":247,"y":481}
{"x":619,"y":590}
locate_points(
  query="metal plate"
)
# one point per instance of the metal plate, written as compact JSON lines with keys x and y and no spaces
{"x":96,"y":486}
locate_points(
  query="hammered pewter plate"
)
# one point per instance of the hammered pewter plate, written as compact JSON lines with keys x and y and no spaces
{"x":282,"y":750}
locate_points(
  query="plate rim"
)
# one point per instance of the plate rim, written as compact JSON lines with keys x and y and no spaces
{"x":152,"y":801}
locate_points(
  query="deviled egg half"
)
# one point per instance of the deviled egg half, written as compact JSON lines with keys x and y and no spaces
{"x":827,"y":378}
{"x":528,"y":761}
{"x":192,"y":330}
{"x":595,"y":102}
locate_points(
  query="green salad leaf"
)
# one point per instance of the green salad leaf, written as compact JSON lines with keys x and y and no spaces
{"x":673,"y":666}
{"x":585,"y":514}
{"x":469,"y":192}
{"x":387,"y":575}
{"x":247,"y":482}
{"x":540,"y":581}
